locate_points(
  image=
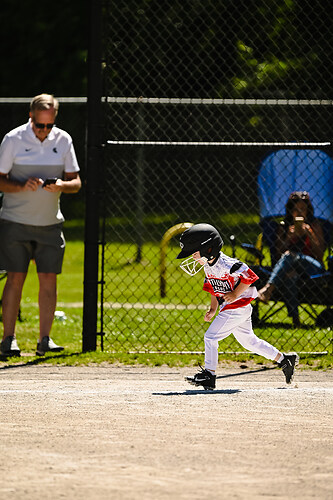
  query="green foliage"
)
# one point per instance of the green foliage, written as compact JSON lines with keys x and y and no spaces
{"x":270,"y":48}
{"x":183,"y":48}
{"x":43,"y":49}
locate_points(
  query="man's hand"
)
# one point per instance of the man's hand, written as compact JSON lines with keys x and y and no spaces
{"x":32,"y":184}
{"x":54,"y":187}
{"x":71,"y":184}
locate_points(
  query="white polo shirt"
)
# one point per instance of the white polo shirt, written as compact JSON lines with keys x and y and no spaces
{"x":22,"y":155}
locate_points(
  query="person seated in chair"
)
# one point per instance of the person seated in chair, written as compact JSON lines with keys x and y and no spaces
{"x":300,"y":245}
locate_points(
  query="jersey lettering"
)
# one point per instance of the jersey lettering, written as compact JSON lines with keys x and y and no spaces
{"x":224,"y":276}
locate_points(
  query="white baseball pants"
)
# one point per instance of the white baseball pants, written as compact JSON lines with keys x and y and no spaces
{"x":237,"y":322}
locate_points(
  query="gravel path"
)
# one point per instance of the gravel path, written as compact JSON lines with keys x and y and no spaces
{"x":117,"y":432}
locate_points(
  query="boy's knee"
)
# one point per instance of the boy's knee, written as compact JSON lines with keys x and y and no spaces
{"x":251,"y":343}
{"x":209,"y":336}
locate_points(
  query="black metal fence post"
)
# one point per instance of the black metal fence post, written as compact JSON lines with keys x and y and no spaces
{"x":90,"y":303}
{"x":140,"y":183}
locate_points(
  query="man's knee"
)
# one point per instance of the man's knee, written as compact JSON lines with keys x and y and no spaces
{"x":47,"y":281}
{"x":15,"y":279}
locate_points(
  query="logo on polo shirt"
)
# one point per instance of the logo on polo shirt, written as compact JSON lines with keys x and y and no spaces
{"x":28,"y":149}
{"x":54,"y":150}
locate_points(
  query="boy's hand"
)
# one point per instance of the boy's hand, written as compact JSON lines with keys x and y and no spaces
{"x":209,"y":315}
{"x":230,"y":297}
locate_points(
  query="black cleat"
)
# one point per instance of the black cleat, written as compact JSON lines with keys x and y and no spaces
{"x":204,"y":378}
{"x":9,"y":347}
{"x":47,"y":345}
{"x":288,"y":366}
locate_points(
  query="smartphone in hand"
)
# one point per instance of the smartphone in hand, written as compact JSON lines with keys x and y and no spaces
{"x":49,"y":180}
{"x":298,"y":221}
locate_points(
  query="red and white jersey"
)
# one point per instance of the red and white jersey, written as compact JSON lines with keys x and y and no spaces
{"x":225,"y":275}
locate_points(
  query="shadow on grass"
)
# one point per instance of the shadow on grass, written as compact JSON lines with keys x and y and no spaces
{"x":122,"y":265}
{"x":36,"y":361}
{"x":281,"y":326}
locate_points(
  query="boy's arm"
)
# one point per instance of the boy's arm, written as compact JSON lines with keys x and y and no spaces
{"x":232,"y":296}
{"x":213,"y":308}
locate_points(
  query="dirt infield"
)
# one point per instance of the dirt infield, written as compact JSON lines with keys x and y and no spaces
{"x":111,"y":432}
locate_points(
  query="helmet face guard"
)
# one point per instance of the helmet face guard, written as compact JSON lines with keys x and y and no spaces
{"x":192,"y":266}
{"x":202,"y":238}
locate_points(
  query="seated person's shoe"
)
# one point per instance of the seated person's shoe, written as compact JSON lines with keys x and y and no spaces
{"x":47,"y":345}
{"x":9,"y":347}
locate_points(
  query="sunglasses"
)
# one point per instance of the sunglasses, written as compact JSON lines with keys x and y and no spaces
{"x":43,"y":125}
{"x":297,"y":195}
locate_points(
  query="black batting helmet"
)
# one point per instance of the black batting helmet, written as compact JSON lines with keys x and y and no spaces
{"x":203,"y":238}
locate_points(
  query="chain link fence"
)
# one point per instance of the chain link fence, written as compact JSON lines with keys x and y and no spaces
{"x":205,"y":103}
{"x":218,"y":49}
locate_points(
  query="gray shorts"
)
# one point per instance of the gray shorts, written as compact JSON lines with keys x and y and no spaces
{"x":20,"y":243}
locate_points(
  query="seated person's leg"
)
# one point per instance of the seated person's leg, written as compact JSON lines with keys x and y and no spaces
{"x":280,"y":270}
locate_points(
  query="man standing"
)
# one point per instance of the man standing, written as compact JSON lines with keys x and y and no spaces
{"x":37,"y":164}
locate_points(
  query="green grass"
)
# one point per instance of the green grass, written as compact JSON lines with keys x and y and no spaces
{"x":132,"y":331}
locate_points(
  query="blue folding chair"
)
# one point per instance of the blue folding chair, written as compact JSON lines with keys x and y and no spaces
{"x":281,"y":173}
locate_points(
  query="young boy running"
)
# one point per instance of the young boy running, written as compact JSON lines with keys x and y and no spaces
{"x":229,"y":283}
